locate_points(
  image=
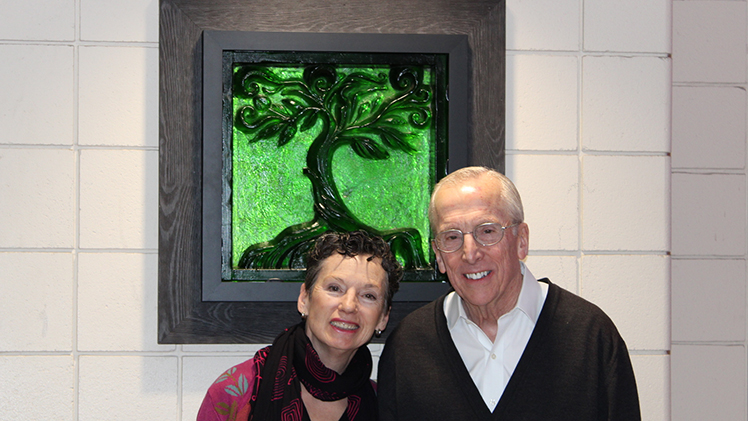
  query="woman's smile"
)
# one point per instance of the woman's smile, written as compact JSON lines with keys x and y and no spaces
{"x":345,"y":326}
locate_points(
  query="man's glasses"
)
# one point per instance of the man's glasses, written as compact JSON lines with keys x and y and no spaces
{"x":487,"y":234}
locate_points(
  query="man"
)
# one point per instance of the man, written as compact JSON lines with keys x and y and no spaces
{"x":502,"y":345}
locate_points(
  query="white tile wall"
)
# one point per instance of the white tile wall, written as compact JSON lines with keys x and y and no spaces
{"x":709,"y":300}
{"x":709,"y":211}
{"x":543,"y":25}
{"x":626,"y":103}
{"x":707,"y":121}
{"x":37,"y":302}
{"x":37,"y":198}
{"x":115,"y":20}
{"x":542,"y":102}
{"x":709,"y":41}
{"x":376,"y":352}
{"x":709,"y":214}
{"x":627,"y":25}
{"x":119,"y":199}
{"x":111,"y":111}
{"x":49,"y":378}
{"x":245,"y":349}
{"x":624,"y":203}
{"x":118,"y":302}
{"x":128,"y":388}
{"x":37,"y":20}
{"x":708,"y":382}
{"x":38,"y":102}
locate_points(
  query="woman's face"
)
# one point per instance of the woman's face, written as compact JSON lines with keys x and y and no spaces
{"x":344,"y":307}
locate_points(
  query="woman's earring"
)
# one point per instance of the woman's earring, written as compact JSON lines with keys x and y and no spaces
{"x":303,"y":316}
{"x":377,"y":333}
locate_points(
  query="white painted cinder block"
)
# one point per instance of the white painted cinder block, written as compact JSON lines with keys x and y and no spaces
{"x":22,"y":377}
{"x":543,"y":25}
{"x":38,"y":20}
{"x":376,"y":352}
{"x":627,"y":25}
{"x":709,"y":127}
{"x":652,"y":381}
{"x":542,"y":96}
{"x":118,"y":96}
{"x":709,"y":41}
{"x":119,"y":199}
{"x":560,"y":270}
{"x":708,"y":382}
{"x":375,"y":349}
{"x":708,"y":300}
{"x":626,"y":104}
{"x":198,"y":373}
{"x":36,"y":301}
{"x":625,"y":203}
{"x":114,"y":20}
{"x":248,"y":349}
{"x":549,"y":187}
{"x":127,"y":388}
{"x":635,"y":292}
{"x":37,"y":191}
{"x":709,"y":215}
{"x":37,"y":104}
{"x":118,"y":302}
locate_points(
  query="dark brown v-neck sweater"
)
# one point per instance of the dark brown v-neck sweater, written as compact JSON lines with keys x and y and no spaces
{"x":575,"y":367}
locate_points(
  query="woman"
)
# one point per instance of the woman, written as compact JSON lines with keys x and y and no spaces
{"x":320,"y":368}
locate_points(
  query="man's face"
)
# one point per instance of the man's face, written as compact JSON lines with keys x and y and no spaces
{"x":486,"y":277}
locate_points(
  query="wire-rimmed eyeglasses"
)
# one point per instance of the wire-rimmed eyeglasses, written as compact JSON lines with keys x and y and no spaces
{"x":487,"y":234}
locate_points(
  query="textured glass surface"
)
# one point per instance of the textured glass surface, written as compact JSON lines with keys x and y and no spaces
{"x":383,"y":194}
{"x":329,"y":147}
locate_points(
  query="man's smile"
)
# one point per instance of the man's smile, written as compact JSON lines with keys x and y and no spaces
{"x":477,"y":275}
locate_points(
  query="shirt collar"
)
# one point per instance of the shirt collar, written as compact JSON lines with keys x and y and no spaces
{"x":529,"y":302}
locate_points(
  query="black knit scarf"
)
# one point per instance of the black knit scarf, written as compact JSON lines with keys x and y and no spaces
{"x":277,"y":391}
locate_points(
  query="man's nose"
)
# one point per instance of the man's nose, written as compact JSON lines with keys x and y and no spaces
{"x":470,"y":248}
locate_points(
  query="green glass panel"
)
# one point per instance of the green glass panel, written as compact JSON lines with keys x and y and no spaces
{"x":330,"y":147}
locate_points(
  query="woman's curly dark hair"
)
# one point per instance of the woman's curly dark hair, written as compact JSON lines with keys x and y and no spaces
{"x":351,"y":244}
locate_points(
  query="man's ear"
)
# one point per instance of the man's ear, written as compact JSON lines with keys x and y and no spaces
{"x":523,"y":240}
{"x":302,"y":304}
{"x":439,"y":262}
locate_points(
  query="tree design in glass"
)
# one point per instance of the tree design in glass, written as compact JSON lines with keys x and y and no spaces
{"x":373,"y":112}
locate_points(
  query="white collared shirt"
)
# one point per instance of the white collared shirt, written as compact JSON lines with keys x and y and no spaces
{"x":491,"y":364}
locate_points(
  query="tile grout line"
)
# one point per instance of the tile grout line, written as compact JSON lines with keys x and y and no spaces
{"x":76,"y":245}
{"x":580,"y":151}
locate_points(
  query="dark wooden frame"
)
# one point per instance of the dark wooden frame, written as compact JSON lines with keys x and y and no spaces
{"x":183,"y":316}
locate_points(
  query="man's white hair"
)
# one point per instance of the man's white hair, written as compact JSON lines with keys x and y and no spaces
{"x":511,"y":202}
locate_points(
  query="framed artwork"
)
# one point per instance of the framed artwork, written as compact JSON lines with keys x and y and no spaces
{"x":305,"y":136}
{"x":269,"y":139}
